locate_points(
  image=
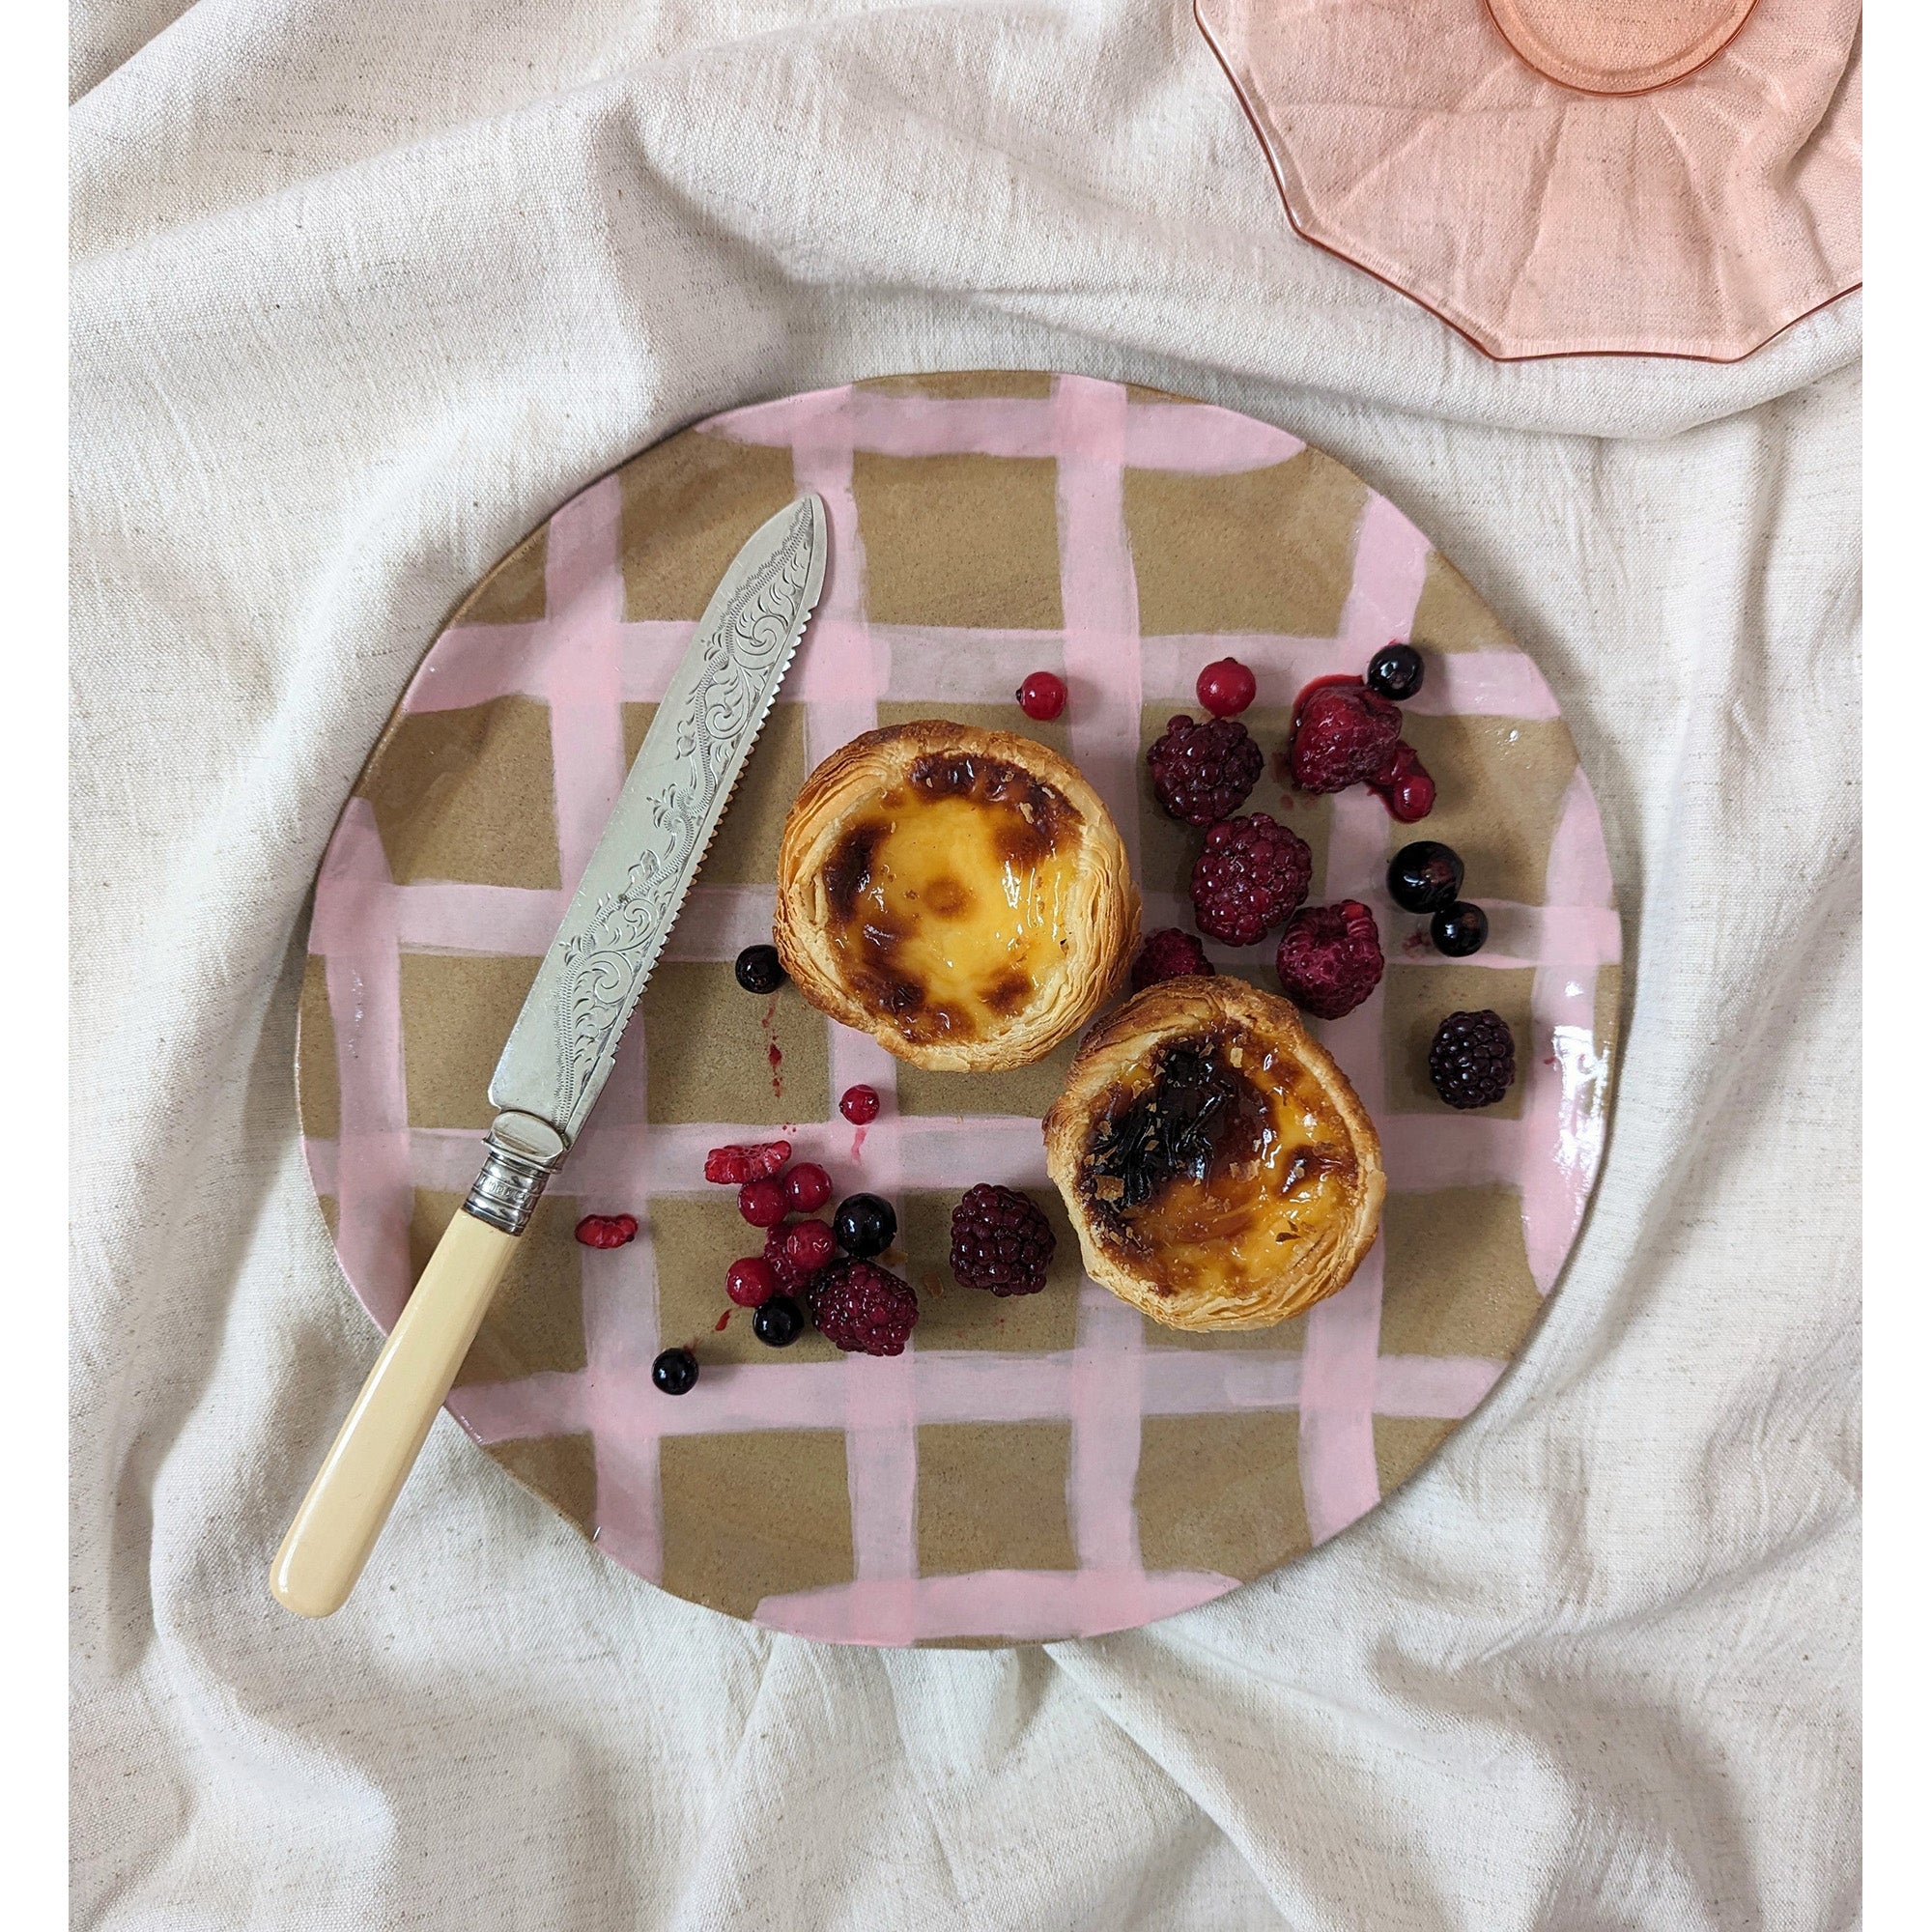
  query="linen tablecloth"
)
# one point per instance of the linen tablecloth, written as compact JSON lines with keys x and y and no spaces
{"x":361,"y":292}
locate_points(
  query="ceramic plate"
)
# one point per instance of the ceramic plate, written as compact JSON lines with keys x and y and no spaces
{"x":1039,"y":1468}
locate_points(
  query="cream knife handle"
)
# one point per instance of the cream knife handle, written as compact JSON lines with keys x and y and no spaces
{"x":350,"y":1501}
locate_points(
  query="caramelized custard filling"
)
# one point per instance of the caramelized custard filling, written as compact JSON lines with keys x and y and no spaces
{"x":948,"y":897}
{"x":1218,"y":1168}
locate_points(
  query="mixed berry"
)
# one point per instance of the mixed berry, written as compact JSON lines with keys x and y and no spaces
{"x":865,"y":1225}
{"x":863,"y":1310}
{"x":1001,"y":1241}
{"x":1395,"y":671}
{"x":1168,"y":955}
{"x":1459,"y":929}
{"x":1203,"y":772}
{"x":1472,"y":1058}
{"x":1251,"y":875}
{"x":1250,"y":878}
{"x":1330,"y":958}
{"x":1425,"y":877}
{"x":1225,"y":688}
{"x":1042,"y":697}
{"x":675,"y":1372}
{"x":758,"y":969}
{"x":860,"y":1105}
{"x":779,"y":1322}
{"x":1347,"y":731}
{"x":607,"y":1231}
{"x":733,"y":1165}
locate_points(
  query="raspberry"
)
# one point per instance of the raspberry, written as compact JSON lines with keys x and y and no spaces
{"x":1330,"y":958}
{"x":1203,"y":772}
{"x":859,"y":1105}
{"x":1472,"y":1058}
{"x":1344,"y":735}
{"x":733,"y":1165}
{"x":762,"y":1203}
{"x":807,"y":1186}
{"x":752,"y":1281}
{"x":1251,"y":875}
{"x":857,"y":1307}
{"x":607,"y":1231}
{"x":808,"y":1246}
{"x":1000,"y":1241}
{"x":1043,"y":696}
{"x":792,"y":1278}
{"x":1168,"y":955}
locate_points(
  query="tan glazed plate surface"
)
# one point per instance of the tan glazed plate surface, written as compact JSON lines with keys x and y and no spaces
{"x":1032,"y":1468}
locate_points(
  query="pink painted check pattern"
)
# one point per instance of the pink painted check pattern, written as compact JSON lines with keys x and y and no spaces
{"x":584,"y":661}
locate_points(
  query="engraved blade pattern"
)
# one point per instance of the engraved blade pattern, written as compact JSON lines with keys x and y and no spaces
{"x":560,"y":1051}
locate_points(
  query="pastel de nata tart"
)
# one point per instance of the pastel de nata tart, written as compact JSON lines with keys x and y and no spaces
{"x":961,"y":894}
{"x":1215,"y":1163}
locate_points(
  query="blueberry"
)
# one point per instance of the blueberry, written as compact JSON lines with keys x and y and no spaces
{"x":1395,"y":671}
{"x":779,"y":1322}
{"x":676,"y":1371}
{"x":759,"y":970}
{"x":1425,"y":877}
{"x":1459,"y":929}
{"x":865,"y":1225}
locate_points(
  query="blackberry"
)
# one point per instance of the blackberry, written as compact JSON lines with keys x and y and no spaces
{"x":1203,"y":772}
{"x":1000,"y":1241}
{"x":1472,"y":1058}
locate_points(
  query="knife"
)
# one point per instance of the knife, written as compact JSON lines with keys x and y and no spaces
{"x":561,"y":1049}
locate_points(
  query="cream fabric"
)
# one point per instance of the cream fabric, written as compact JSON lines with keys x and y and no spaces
{"x":364,"y":287}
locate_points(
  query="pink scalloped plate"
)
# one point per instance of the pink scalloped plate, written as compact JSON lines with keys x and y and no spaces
{"x":1603,"y":178}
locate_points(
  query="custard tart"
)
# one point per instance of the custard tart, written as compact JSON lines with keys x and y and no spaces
{"x":1215,"y":1160}
{"x":961,"y":894}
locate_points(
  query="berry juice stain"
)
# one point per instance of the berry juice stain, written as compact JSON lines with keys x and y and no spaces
{"x":858,"y":1143}
{"x":718,"y":1327}
{"x":774,"y":1054}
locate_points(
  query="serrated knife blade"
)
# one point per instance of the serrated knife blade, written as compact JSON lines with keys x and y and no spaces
{"x":560,"y":1050}
{"x":562,"y":1047}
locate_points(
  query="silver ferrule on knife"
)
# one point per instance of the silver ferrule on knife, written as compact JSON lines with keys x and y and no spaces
{"x":522,"y":1154}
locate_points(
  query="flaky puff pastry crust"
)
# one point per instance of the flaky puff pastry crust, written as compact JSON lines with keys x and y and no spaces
{"x":1116,"y":1061}
{"x":1100,"y":917}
